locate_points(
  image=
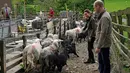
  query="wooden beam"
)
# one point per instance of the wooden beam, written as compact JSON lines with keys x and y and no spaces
{"x":3,"y":56}
{"x":121,"y":31}
{"x":128,"y":23}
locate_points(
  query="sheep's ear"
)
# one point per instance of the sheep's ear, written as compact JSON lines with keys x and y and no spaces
{"x":59,"y":40}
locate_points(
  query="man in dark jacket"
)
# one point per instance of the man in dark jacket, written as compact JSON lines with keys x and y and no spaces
{"x":103,"y":37}
{"x":89,"y":30}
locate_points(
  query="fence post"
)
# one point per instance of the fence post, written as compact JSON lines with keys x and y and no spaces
{"x":54,"y":28}
{"x":47,"y":31}
{"x":114,"y":19}
{"x":24,"y":41}
{"x":9,"y":28}
{"x":3,"y":56}
{"x":128,"y":22}
{"x":64,"y":27}
{"x":60,"y":28}
{"x":67,"y":25}
{"x":120,"y":30}
{"x":38,"y":35}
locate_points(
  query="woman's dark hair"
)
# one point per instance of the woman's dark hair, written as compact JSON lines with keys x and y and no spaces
{"x":87,"y":10}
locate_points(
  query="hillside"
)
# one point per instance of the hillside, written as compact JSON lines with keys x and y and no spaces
{"x":115,"y":5}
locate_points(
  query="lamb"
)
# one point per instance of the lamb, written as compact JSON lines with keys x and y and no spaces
{"x":31,"y":55}
{"x":48,"y":41}
{"x":55,"y":36}
{"x":73,"y":32}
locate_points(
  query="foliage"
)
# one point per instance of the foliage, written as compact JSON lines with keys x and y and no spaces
{"x":57,"y":5}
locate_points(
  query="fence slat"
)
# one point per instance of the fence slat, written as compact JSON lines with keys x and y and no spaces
{"x":3,"y":56}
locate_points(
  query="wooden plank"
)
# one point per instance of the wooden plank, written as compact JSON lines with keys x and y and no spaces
{"x":121,"y":31}
{"x":119,"y":36}
{"x":128,"y":22}
{"x":114,"y":18}
{"x":24,"y":41}
{"x":123,"y":47}
{"x":113,"y":13}
{"x":13,"y":63}
{"x":64,"y":27}
{"x":28,"y":35}
{"x":122,"y":27}
{"x":3,"y":56}
{"x":127,"y":10}
{"x":60,"y":28}
{"x":120,"y":12}
{"x":121,"y":51}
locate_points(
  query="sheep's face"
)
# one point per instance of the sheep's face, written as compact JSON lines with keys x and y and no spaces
{"x":57,"y":42}
{"x":50,"y":35}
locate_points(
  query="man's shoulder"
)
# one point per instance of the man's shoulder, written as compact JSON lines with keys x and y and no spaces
{"x":106,"y":15}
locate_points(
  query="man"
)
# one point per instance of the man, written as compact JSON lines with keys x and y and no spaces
{"x":89,"y":30}
{"x":6,"y":11}
{"x":51,"y":13}
{"x":103,"y":37}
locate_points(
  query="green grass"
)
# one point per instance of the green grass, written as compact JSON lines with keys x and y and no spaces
{"x":115,"y":5}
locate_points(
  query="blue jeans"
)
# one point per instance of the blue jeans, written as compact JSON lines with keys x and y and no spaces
{"x":104,"y":60}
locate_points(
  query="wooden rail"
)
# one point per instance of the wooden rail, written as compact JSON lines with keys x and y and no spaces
{"x":121,"y":40}
{"x":3,"y":42}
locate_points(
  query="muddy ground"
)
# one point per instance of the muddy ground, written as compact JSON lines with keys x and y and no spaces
{"x":76,"y":65}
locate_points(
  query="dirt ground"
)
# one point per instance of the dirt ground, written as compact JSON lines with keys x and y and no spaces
{"x":76,"y":65}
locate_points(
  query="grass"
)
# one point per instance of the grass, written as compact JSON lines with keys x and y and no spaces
{"x":115,"y":5}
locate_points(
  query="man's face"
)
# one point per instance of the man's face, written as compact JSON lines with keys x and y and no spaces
{"x":86,"y":15}
{"x":6,"y":5}
{"x":97,"y":8}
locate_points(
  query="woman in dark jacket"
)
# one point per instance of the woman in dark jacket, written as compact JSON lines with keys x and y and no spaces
{"x":89,"y":30}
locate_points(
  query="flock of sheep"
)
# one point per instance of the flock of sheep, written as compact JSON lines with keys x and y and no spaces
{"x":52,"y":52}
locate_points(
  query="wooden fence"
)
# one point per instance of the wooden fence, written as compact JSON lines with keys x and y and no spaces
{"x":3,"y":49}
{"x":3,"y":61}
{"x":121,"y":40}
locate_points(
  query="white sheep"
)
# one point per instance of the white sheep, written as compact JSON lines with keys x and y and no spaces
{"x":73,"y":32}
{"x":31,"y":54}
{"x":48,"y":41}
{"x":55,"y":36}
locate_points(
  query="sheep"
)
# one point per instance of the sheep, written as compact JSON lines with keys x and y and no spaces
{"x":61,"y":59}
{"x":80,"y":23}
{"x":47,"y":56}
{"x":81,"y":36}
{"x":55,"y":36}
{"x":31,"y":55}
{"x":73,"y":32}
{"x":48,"y":41}
{"x":69,"y":46}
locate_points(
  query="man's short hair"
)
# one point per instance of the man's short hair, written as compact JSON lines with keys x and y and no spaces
{"x":87,"y":10}
{"x":99,"y":3}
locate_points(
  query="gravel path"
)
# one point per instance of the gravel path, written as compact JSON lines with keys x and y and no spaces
{"x":76,"y":65}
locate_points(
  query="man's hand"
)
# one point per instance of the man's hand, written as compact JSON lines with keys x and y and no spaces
{"x":97,"y":50}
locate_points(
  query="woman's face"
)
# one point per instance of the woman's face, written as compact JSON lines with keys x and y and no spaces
{"x":86,"y":15}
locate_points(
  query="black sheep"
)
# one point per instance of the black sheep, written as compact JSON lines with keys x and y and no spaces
{"x":62,"y":60}
{"x":69,"y":46}
{"x":81,"y":36}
